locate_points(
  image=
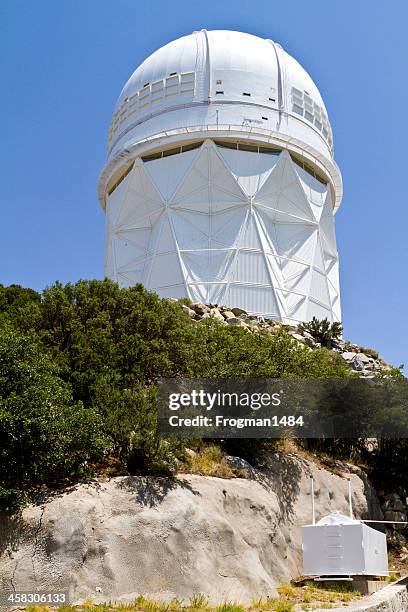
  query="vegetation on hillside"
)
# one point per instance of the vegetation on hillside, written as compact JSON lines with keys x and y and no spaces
{"x":78,"y":371}
{"x":290,"y":598}
{"x":323,"y":331}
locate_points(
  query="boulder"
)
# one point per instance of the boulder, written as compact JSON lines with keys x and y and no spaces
{"x":298,"y":337}
{"x":191,"y":313}
{"x":236,"y":463}
{"x":348,"y":355}
{"x":116,"y":538}
{"x":238,"y":312}
{"x":364,"y":358}
{"x":228,"y":314}
{"x":357,"y":363}
{"x":394,"y":515}
{"x":215,"y":313}
{"x":200,"y":308}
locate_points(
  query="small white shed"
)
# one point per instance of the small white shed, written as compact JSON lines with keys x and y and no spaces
{"x":338,"y":545}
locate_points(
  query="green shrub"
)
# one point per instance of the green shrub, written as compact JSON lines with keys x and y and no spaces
{"x":44,"y":436}
{"x":82,"y":365}
{"x":323,"y":331}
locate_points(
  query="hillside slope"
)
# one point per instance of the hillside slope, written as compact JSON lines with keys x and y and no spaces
{"x":163,"y":538}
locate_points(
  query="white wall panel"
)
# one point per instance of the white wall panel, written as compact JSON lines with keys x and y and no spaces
{"x":188,"y":225}
{"x":250,"y":171}
{"x":167,"y":172}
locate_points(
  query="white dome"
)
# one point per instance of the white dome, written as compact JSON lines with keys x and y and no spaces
{"x":229,"y":81}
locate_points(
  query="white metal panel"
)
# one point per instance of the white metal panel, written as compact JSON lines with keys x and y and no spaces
{"x":375,"y":551}
{"x":166,"y":271}
{"x":203,"y":266}
{"x":250,"y":169}
{"x":333,"y":550}
{"x":343,"y":547}
{"x":296,"y":275}
{"x":320,"y":311}
{"x":295,"y":306}
{"x":244,"y":64}
{"x":251,"y":267}
{"x":220,"y":244}
{"x":260,"y":300}
{"x":167,"y":172}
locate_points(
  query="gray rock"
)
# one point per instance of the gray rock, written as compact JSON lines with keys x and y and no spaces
{"x":348,"y":355}
{"x":393,"y":515}
{"x":357,"y":363}
{"x":238,"y":312}
{"x":215,"y":313}
{"x":298,"y":337}
{"x":235,"y":321}
{"x":307,"y":336}
{"x":240,"y":464}
{"x":228,"y":314}
{"x":364,"y":358}
{"x":396,"y":502}
{"x":191,"y":313}
{"x":200,"y":308}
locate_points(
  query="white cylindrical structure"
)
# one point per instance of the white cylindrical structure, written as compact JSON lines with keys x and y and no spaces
{"x":220,"y":183}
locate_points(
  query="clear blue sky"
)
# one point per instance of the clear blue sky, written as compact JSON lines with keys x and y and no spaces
{"x":63,"y":64}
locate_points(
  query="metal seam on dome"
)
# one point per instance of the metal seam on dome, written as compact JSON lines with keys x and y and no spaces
{"x":280,"y":80}
{"x":208,"y":65}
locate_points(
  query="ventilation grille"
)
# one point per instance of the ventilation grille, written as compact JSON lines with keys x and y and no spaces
{"x":150,"y":97}
{"x":304,"y":105}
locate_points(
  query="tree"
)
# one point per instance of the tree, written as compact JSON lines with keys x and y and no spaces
{"x":44,"y":436}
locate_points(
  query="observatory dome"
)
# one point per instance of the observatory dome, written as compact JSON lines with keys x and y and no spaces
{"x":220,"y":182}
{"x":224,"y":79}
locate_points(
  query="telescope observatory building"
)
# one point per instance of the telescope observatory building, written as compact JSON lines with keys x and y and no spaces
{"x":220,"y":183}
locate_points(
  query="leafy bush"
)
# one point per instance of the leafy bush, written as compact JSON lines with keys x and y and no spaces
{"x":44,"y":436}
{"x":323,"y":331}
{"x":79,"y":367}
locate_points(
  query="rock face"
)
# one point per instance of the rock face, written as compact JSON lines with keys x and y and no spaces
{"x":229,"y":539}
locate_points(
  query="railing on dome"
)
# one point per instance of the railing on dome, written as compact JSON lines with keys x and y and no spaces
{"x":112,"y":142}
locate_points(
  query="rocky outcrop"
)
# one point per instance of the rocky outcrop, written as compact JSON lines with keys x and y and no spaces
{"x":229,"y":539}
{"x":392,"y":598}
{"x":360,"y":359}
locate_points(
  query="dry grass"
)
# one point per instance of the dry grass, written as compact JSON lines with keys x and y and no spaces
{"x":291,"y":598}
{"x":207,"y":462}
